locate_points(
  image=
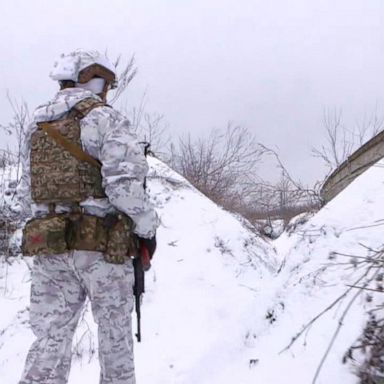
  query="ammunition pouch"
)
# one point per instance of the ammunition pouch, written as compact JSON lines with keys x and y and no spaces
{"x":60,"y":233}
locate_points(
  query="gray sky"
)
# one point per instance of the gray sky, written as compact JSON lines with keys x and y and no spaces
{"x":272,"y":66}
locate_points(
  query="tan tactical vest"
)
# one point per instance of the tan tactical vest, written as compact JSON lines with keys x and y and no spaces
{"x":56,"y":175}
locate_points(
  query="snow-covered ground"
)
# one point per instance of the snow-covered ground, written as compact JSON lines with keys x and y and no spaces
{"x":221,"y":302}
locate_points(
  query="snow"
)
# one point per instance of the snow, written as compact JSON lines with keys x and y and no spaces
{"x":221,"y":302}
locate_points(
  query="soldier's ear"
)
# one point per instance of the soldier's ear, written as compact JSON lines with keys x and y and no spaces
{"x":66,"y":84}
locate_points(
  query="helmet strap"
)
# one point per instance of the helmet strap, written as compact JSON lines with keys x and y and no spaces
{"x":103,"y":94}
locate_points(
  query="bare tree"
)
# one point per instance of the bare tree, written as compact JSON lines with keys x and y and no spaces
{"x":341,"y":141}
{"x":368,"y":127}
{"x":221,"y":165}
{"x":16,"y":128}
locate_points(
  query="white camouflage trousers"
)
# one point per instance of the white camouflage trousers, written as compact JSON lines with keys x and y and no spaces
{"x":60,"y":285}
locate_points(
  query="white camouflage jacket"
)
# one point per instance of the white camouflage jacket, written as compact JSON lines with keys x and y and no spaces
{"x":105,"y":135}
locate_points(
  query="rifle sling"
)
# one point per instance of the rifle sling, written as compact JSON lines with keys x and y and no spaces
{"x":72,"y":148}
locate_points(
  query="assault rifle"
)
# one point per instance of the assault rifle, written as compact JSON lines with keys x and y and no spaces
{"x":141,"y":264}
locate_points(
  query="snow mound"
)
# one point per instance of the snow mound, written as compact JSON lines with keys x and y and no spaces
{"x":201,"y":293}
{"x":320,"y":260}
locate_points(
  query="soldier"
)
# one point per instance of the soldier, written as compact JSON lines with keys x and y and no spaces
{"x":83,"y":177}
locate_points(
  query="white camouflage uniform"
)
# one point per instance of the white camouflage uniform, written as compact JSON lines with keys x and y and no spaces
{"x":60,"y":283}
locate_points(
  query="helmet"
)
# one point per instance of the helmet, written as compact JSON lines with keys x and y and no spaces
{"x":81,"y":66}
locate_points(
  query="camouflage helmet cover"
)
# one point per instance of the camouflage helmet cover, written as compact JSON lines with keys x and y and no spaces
{"x":81,"y":66}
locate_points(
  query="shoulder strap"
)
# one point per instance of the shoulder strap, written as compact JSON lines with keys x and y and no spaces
{"x":77,"y":112}
{"x":72,"y":148}
{"x":83,"y":107}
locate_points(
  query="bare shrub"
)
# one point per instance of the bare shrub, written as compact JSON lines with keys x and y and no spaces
{"x":366,"y":275}
{"x":281,"y":200}
{"x":10,"y":175}
{"x":371,"y":346}
{"x":125,"y":77}
{"x":151,"y":128}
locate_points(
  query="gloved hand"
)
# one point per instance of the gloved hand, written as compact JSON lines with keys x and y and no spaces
{"x":147,"y":248}
{"x":149,"y":244}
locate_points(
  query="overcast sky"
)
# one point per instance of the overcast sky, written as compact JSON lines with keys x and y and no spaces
{"x":269,"y":65}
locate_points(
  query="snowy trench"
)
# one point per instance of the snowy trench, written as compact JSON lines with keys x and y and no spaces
{"x":222,"y":304}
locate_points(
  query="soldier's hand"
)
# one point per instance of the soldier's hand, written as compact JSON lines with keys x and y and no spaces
{"x":149,"y":245}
